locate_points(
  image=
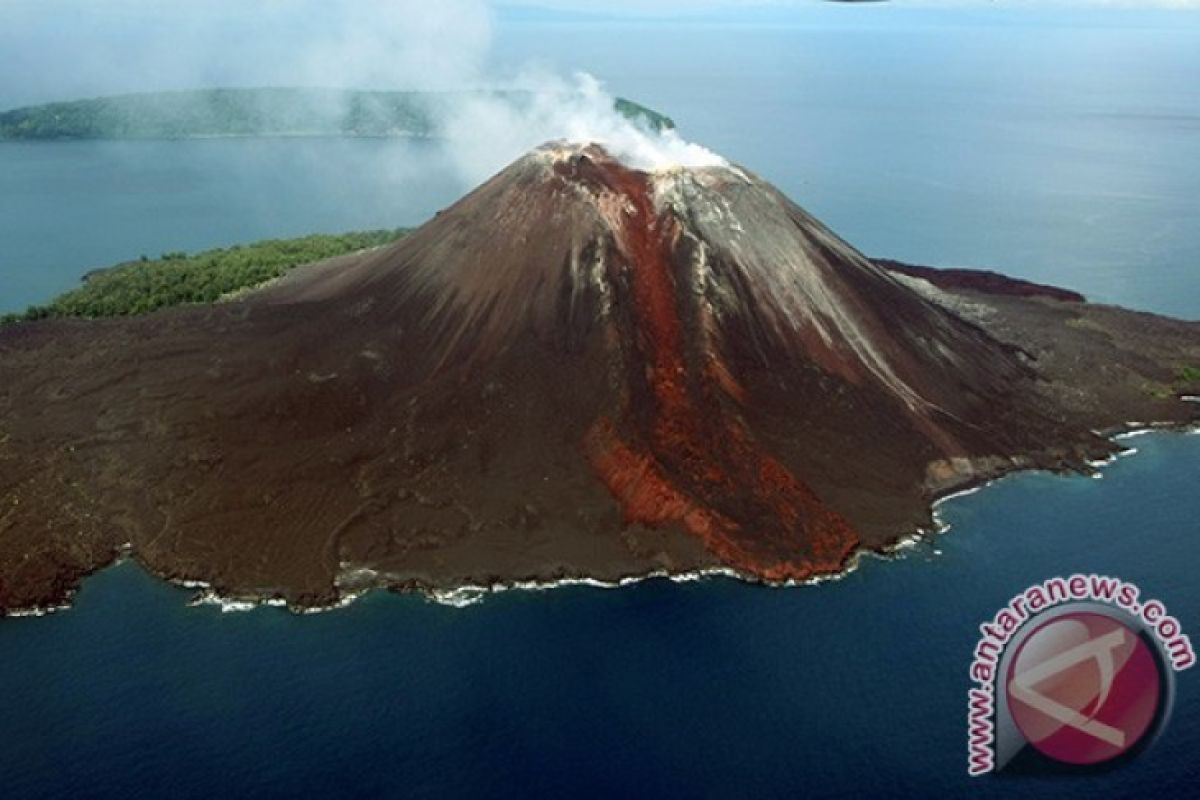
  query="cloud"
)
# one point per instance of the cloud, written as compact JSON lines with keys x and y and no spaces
{"x":60,"y":49}
{"x":486,"y":132}
{"x":155,"y":44}
{"x":685,"y":8}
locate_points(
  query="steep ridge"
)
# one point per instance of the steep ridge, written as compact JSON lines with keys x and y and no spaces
{"x":579,"y":369}
{"x":694,"y":278}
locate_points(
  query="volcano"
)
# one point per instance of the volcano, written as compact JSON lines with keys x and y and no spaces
{"x":580,"y":370}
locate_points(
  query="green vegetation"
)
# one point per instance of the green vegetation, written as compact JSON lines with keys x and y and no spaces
{"x":647,"y":116}
{"x":138,"y":287}
{"x":1186,"y":381}
{"x":258,"y":112}
{"x":1159,"y":391}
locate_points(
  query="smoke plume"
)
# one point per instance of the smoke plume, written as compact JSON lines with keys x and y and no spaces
{"x":485,"y":132}
{"x":71,"y":48}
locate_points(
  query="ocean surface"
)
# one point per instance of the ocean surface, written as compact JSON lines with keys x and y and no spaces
{"x":709,"y":689}
{"x":1060,"y":153}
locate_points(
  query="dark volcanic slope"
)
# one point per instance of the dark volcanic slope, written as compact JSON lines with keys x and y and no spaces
{"x":579,"y":369}
{"x":957,"y":280}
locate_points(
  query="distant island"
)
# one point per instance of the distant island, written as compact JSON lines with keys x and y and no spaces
{"x":255,"y":112}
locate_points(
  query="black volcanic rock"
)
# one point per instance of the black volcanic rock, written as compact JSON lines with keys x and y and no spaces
{"x":980,"y":280}
{"x":580,"y":369}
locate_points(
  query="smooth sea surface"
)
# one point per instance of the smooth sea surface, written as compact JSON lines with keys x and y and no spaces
{"x":1063,"y":154}
{"x":712,"y":689}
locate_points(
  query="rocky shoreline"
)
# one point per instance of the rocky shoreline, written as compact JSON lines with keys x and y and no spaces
{"x":471,"y":594}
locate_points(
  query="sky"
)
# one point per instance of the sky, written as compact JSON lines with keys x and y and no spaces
{"x":692,"y":7}
{"x":64,"y":49}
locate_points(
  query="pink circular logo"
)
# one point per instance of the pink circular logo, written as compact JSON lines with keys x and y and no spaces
{"x":1083,"y":688}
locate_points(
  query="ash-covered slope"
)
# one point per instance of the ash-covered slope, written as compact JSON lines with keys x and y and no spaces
{"x":580,"y":369}
{"x":713,"y":306}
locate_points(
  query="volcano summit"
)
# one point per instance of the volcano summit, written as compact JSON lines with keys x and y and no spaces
{"x":581,"y":369}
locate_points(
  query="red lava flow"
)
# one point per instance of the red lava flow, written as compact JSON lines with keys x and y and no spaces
{"x":670,"y":470}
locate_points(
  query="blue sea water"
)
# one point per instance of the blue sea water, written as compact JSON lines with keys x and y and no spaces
{"x":68,"y":207}
{"x":712,"y":689}
{"x":1062,"y":154}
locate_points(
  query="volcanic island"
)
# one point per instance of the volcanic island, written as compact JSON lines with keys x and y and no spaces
{"x":581,"y":370}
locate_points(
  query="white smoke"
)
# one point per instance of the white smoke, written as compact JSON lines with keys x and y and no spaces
{"x":72,"y":48}
{"x":486,"y":132}
{"x":447,"y":45}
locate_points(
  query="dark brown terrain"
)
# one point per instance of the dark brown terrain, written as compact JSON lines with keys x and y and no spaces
{"x":578,"y":370}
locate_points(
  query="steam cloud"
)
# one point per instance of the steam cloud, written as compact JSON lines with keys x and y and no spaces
{"x":72,"y":48}
{"x":485,"y":133}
